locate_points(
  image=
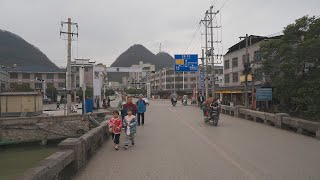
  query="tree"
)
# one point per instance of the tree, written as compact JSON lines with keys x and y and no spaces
{"x":52,"y":92}
{"x":292,"y":65}
{"x":89,"y":92}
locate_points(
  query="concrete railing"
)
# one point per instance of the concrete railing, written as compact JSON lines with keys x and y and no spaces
{"x":73,"y":154}
{"x":280,"y":120}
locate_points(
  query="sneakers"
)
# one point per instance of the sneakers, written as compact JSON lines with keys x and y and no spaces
{"x":116,"y":147}
{"x":132,"y":143}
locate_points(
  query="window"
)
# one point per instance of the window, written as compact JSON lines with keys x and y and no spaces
{"x":235,"y":77}
{"x":49,"y":76}
{"x":25,"y":76}
{"x":193,"y":79}
{"x":13,"y":85}
{"x":13,"y":76}
{"x":226,"y":78}
{"x":61,"y":85}
{"x":257,"y":56}
{"x":38,"y":76}
{"x":62,"y":76}
{"x":226,"y":64}
{"x":235,"y":62}
{"x":38,"y":85}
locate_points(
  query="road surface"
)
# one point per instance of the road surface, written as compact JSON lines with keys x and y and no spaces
{"x":176,"y":144}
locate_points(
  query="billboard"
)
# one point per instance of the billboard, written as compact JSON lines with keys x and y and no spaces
{"x":186,"y":62}
{"x":264,"y":94}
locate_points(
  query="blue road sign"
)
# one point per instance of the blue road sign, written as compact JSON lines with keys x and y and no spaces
{"x":201,"y":78}
{"x":264,"y":94}
{"x":186,"y":62}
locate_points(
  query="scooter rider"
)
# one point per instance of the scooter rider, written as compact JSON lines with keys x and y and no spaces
{"x":207,"y":103}
{"x":173,"y":97}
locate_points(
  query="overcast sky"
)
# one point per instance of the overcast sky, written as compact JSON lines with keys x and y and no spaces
{"x":107,"y":28}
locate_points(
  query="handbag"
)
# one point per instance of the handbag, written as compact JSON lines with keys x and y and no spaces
{"x":128,"y":130}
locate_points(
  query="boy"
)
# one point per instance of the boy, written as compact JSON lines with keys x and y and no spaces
{"x":130,"y":126}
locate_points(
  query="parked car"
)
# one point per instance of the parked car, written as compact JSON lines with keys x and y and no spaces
{"x":146,"y":100}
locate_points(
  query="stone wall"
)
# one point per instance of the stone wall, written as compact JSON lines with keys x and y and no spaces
{"x":31,"y":129}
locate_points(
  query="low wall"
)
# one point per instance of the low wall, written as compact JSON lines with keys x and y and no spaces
{"x":280,"y":120}
{"x":32,"y":129}
{"x":73,"y":154}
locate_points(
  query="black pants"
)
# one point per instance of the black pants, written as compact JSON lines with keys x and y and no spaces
{"x":116,"y":138}
{"x":142,"y":116}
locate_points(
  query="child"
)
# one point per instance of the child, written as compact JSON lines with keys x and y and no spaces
{"x":115,"y":124}
{"x":130,"y":125}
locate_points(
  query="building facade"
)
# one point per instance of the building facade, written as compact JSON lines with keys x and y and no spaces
{"x":4,"y":80}
{"x":138,"y":77}
{"x":56,"y":79}
{"x":165,"y":81}
{"x":233,"y":90}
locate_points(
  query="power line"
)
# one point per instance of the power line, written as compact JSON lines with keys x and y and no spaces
{"x":193,"y":36}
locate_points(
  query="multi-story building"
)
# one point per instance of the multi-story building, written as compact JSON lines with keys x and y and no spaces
{"x":82,"y":65}
{"x":99,"y":81}
{"x":94,"y":76}
{"x":165,"y":81}
{"x":56,"y":78}
{"x":233,"y":89}
{"x":137,"y":77}
{"x":4,"y":80}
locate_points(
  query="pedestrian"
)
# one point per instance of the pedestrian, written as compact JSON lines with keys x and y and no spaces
{"x":130,"y":126}
{"x":141,"y":106}
{"x":129,"y":105}
{"x":115,"y":125}
{"x":120,"y":104}
{"x":201,"y":99}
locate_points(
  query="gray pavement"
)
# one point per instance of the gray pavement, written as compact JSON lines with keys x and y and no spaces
{"x":175,"y":143}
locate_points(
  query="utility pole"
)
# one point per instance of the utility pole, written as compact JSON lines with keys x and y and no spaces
{"x":206,"y":67}
{"x":212,"y":51}
{"x":202,"y":61}
{"x":68,"y":78}
{"x":246,"y":70}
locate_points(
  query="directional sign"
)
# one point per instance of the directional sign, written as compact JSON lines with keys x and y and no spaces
{"x":264,"y":94}
{"x":201,"y":78}
{"x":186,"y":62}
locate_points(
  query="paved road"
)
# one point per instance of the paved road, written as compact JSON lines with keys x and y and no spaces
{"x":176,"y":144}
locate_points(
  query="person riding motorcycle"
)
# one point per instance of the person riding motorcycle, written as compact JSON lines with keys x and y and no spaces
{"x":173,"y":97}
{"x":184,"y":98}
{"x":209,"y":102}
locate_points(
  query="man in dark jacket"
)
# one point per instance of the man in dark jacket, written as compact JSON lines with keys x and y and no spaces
{"x":129,"y":105}
{"x":201,"y":99}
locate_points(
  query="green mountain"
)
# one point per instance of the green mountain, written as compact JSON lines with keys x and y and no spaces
{"x":18,"y":55}
{"x":138,"y":53}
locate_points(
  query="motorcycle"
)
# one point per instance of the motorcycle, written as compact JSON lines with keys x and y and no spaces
{"x":174,"y":102}
{"x":184,"y":102}
{"x":212,"y":115}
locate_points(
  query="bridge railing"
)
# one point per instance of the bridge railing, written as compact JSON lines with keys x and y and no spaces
{"x":72,"y":155}
{"x":279,"y":120}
